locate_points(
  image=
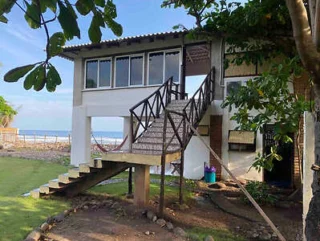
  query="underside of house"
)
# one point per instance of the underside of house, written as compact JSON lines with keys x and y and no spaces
{"x":161,"y":84}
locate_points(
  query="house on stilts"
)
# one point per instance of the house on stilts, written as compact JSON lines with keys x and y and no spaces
{"x":149,"y":81}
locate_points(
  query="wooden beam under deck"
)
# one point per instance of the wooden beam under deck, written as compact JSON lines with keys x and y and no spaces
{"x":143,"y":159}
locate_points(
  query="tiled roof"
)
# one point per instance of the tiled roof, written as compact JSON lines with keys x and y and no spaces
{"x":70,"y":47}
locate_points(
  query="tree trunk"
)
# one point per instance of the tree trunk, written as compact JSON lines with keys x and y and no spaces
{"x":313,"y":217}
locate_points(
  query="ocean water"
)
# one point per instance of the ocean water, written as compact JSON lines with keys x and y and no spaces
{"x":102,"y":137}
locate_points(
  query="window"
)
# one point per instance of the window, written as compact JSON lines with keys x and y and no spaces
{"x":104,"y":73}
{"x":98,"y":73}
{"x":172,"y":66}
{"x":92,"y":74}
{"x":156,"y":68}
{"x":129,"y":71}
{"x":163,"y":65}
{"x":122,"y":71}
{"x":233,"y":86}
{"x":136,"y":70}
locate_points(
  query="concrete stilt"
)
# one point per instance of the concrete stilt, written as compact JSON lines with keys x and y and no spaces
{"x":141,"y":184}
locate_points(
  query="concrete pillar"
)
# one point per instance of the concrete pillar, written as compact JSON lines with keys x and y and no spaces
{"x":308,"y":160}
{"x":81,"y":136}
{"x":141,"y":184}
{"x":126,"y":131}
{"x":217,"y":54}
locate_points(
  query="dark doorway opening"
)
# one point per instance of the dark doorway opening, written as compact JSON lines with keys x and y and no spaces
{"x":281,"y":174}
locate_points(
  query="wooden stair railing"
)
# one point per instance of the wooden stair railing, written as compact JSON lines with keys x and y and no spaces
{"x":192,"y":113}
{"x":151,"y":107}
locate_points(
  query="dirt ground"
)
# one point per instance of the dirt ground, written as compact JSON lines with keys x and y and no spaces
{"x":128,"y":223}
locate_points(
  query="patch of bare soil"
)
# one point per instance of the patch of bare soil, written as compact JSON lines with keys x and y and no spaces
{"x":125,"y":222}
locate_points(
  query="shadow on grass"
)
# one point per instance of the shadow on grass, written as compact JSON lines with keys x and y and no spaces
{"x":19,"y":215}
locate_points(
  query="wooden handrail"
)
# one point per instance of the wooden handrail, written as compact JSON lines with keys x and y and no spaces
{"x":152,"y":106}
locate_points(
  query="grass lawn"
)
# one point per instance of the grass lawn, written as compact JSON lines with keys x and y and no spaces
{"x":19,"y":215}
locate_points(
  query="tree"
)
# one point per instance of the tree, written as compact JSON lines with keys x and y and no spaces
{"x":7,"y":113}
{"x":39,"y":14}
{"x":263,"y":28}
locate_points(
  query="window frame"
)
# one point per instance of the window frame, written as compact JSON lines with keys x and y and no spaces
{"x":164,"y":65}
{"x":98,"y":73}
{"x":129,"y":72}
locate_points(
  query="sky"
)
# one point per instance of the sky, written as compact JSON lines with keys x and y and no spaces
{"x":21,"y":45}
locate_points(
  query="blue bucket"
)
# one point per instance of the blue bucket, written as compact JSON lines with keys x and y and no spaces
{"x":210,"y":177}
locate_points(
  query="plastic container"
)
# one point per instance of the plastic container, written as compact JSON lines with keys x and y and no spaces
{"x":209,"y":174}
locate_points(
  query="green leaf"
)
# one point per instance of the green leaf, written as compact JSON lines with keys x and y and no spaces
{"x":51,"y":4}
{"x":40,"y":78}
{"x":6,"y":6}
{"x":32,"y":15}
{"x":115,"y":27}
{"x":100,"y":3}
{"x":30,"y":79}
{"x":84,"y":6}
{"x":56,"y":42}
{"x":68,"y":22}
{"x":3,"y":19}
{"x":15,"y":74}
{"x":110,"y":9}
{"x":53,"y":79}
{"x":94,"y":30}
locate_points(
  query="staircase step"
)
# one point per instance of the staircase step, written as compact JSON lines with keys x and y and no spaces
{"x":65,"y":178}
{"x":154,"y":146}
{"x":56,"y":184}
{"x":168,"y":130}
{"x":96,"y":163}
{"x":45,"y":189}
{"x":74,"y":173}
{"x":35,"y":193}
{"x":157,"y":140}
{"x":87,"y":168}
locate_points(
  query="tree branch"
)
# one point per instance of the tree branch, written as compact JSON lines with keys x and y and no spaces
{"x":303,"y":38}
{"x":316,"y":27}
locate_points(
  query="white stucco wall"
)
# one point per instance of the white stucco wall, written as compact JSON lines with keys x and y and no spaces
{"x":238,"y":162}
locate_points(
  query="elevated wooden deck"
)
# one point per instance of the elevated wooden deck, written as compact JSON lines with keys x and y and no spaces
{"x":149,"y":159}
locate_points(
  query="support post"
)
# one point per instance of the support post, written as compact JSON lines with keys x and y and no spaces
{"x":163,"y":164}
{"x":142,"y":185}
{"x":130,"y":183}
{"x":183,"y":73}
{"x":184,"y":138}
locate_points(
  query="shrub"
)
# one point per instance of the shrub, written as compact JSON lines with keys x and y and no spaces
{"x":260,"y":192}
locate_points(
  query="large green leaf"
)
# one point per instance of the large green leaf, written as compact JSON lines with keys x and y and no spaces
{"x":68,"y":22}
{"x":53,"y":79}
{"x":40,"y":78}
{"x":84,"y":6}
{"x":32,"y":15}
{"x":115,"y":27}
{"x":6,"y":5}
{"x":110,"y":9}
{"x":15,"y":74}
{"x":94,"y":30}
{"x":56,"y":42}
{"x":30,"y":79}
{"x":51,"y":4}
{"x":3,"y":19}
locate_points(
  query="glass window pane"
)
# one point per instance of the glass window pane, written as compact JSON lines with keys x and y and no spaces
{"x":104,"y":73}
{"x":136,"y":70}
{"x":233,"y":86}
{"x":91,"y":74}
{"x":156,"y":68}
{"x":122,"y":71}
{"x":172,"y":66}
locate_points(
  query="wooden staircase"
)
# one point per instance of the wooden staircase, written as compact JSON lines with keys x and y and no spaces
{"x":79,"y":179}
{"x":163,"y":119}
